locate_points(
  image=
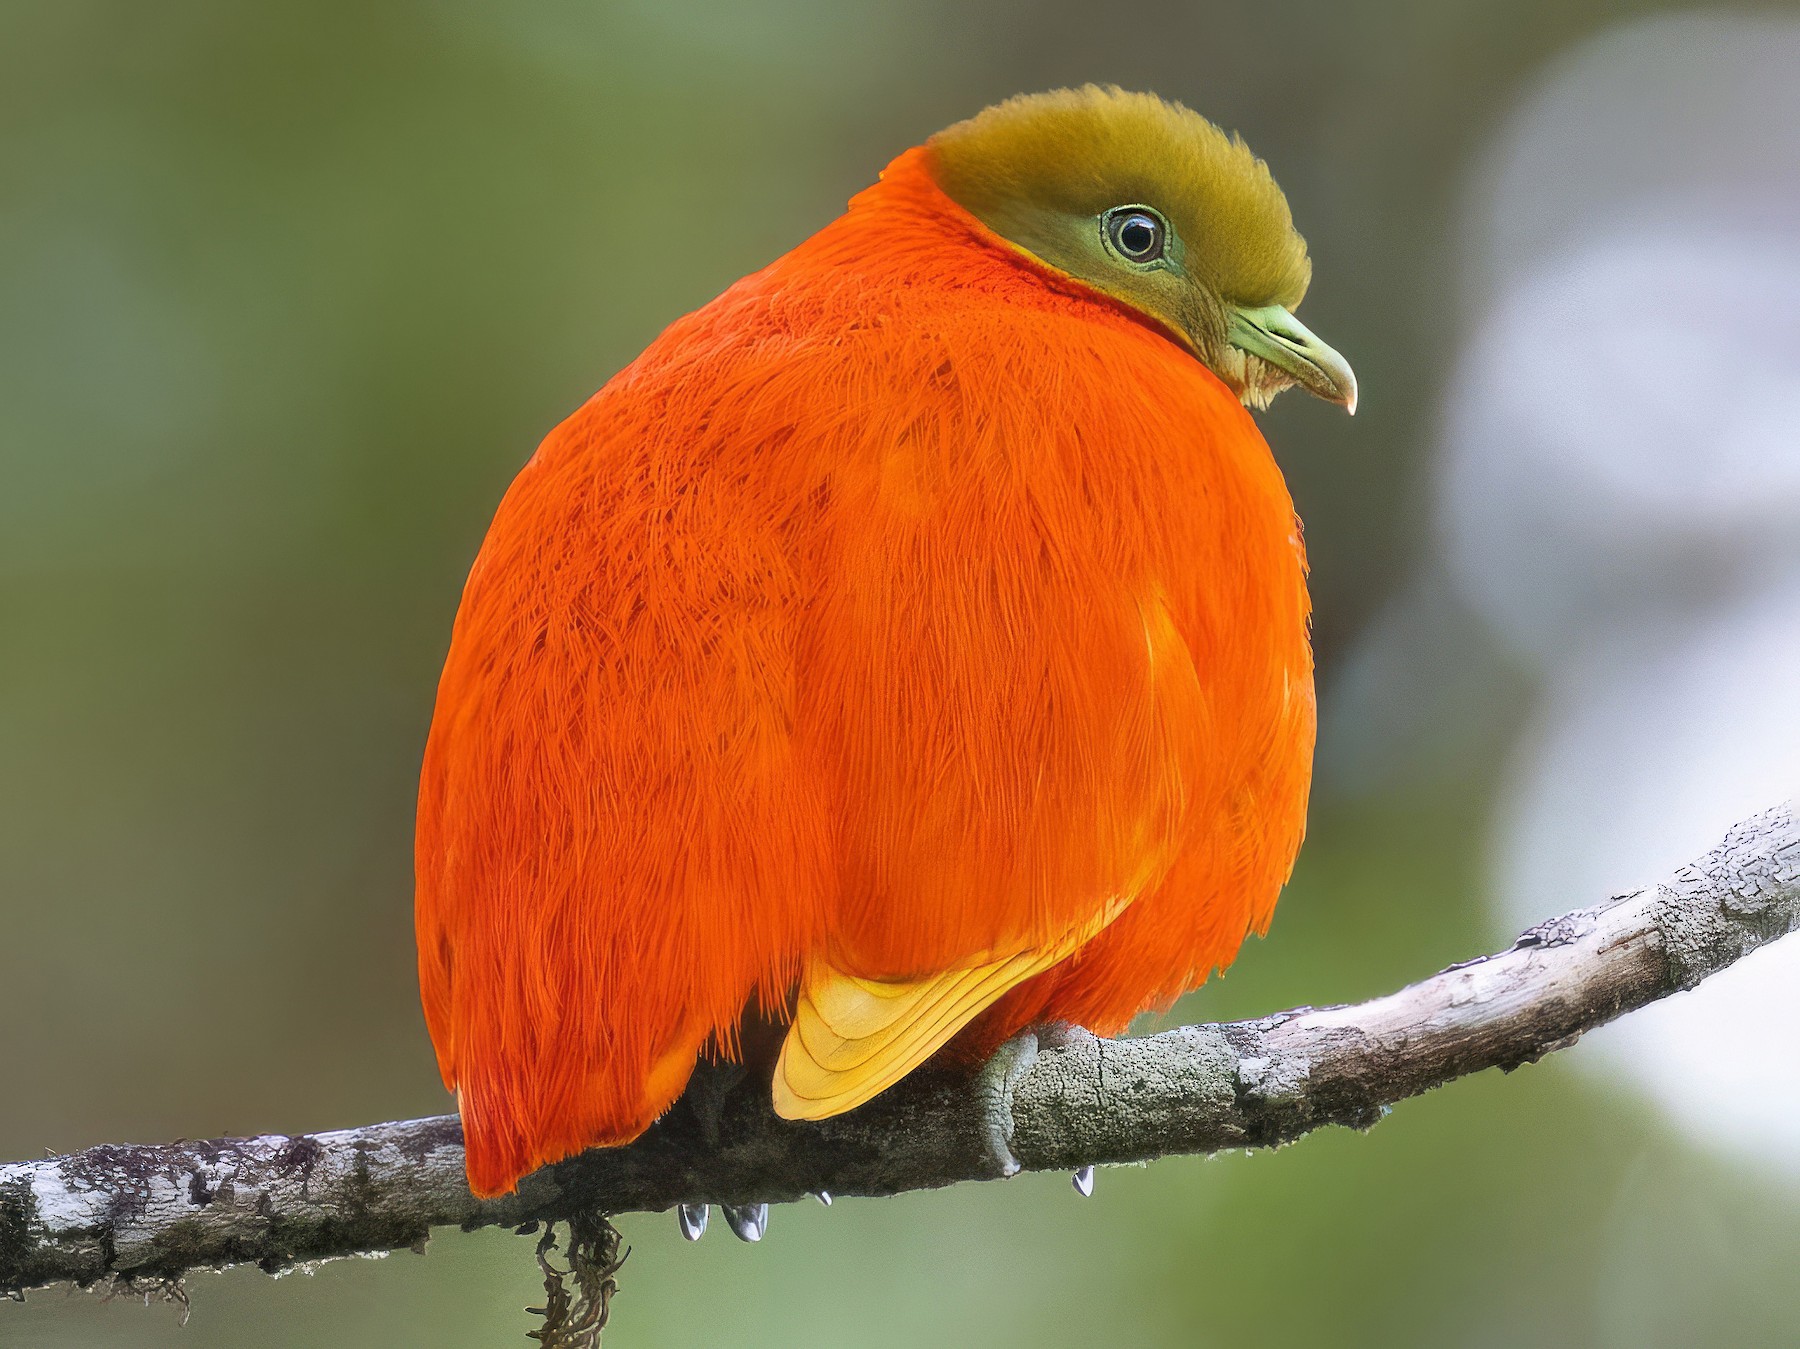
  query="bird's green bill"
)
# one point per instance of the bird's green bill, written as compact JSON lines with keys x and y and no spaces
{"x":1276,"y":336}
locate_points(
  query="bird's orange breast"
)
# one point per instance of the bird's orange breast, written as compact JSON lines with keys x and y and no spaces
{"x":905,"y":607}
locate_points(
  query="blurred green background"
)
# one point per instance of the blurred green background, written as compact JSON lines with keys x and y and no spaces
{"x":287,"y":295}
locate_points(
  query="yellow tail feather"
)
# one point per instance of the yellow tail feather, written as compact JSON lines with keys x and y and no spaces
{"x":853,"y":1038}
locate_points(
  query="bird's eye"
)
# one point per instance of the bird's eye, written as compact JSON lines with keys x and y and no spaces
{"x":1137,"y":234}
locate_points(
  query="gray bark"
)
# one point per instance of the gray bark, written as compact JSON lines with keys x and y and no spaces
{"x":142,"y":1214}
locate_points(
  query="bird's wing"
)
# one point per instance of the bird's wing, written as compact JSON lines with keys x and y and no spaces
{"x":853,"y":1038}
{"x":617,"y":848}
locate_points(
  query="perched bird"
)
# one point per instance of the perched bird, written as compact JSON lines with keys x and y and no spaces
{"x":910,"y":645}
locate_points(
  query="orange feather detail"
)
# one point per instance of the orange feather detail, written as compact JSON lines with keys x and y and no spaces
{"x":900,"y":611}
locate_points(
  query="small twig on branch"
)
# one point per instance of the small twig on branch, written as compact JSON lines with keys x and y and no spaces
{"x":575,"y":1320}
{"x":147,"y":1215}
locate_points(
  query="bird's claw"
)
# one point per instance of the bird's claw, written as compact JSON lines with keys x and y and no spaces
{"x":748,"y":1222}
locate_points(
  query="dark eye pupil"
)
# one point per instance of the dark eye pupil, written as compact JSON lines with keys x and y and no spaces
{"x":1138,"y":236}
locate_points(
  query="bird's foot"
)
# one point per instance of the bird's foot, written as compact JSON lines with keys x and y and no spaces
{"x":994,"y":1088}
{"x":995,"y":1083}
{"x":707,"y":1089}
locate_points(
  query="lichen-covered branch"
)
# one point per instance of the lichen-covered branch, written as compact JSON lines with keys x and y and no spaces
{"x":152,"y":1213}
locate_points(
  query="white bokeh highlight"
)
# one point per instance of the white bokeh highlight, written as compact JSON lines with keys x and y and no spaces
{"x":1618,"y":499}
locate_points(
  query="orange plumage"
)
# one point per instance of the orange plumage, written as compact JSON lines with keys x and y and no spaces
{"x":913,"y":608}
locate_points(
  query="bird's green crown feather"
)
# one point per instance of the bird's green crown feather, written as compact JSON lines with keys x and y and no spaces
{"x":1152,"y":204}
{"x":1084,"y":150}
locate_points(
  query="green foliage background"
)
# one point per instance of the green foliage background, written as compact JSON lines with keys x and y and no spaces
{"x":289,"y":292}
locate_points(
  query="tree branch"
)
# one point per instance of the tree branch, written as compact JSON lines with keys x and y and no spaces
{"x":130,"y":1214}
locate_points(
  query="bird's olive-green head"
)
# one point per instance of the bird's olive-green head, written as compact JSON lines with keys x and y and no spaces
{"x":1159,"y":209}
